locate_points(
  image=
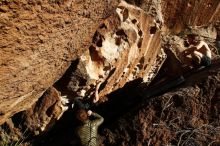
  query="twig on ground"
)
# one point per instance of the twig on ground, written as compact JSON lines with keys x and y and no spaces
{"x":166,"y":105}
{"x":197,"y":131}
{"x":148,"y":144}
{"x":180,"y":139}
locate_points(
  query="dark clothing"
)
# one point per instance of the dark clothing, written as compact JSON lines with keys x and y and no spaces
{"x":78,"y":104}
{"x":89,"y":130}
{"x":205,"y":61}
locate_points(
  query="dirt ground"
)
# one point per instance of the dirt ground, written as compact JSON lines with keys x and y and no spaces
{"x":187,"y":116}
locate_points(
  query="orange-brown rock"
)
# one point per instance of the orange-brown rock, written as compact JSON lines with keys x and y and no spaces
{"x":38,"y":41}
{"x":45,"y":112}
{"x":191,"y":13}
{"x":177,"y":14}
{"x":126,"y":47}
{"x":97,"y":47}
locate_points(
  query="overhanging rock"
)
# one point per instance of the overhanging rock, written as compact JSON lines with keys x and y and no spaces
{"x":38,"y":41}
{"x":127,"y":46}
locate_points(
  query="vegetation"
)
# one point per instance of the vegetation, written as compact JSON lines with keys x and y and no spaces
{"x":6,"y":140}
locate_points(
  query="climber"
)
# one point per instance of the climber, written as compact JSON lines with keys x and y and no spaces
{"x":88,"y":130}
{"x":198,"y":53}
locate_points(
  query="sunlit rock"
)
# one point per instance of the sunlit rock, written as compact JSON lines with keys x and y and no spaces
{"x":126,"y":47}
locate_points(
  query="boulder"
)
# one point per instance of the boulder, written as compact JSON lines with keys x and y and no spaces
{"x":39,"y":39}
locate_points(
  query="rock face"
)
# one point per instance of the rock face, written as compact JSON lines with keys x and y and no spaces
{"x":35,"y":121}
{"x":191,"y":13}
{"x":44,"y":114}
{"x":127,"y":46}
{"x":102,"y":44}
{"x":177,"y":14}
{"x":39,"y":39}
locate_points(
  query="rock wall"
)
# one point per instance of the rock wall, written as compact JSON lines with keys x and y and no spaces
{"x":126,"y":47}
{"x":191,"y":13}
{"x":45,"y":112}
{"x":177,"y":14}
{"x":38,"y":41}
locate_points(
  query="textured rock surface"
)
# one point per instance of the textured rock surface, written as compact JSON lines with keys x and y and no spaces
{"x":177,"y":14}
{"x":37,"y":120}
{"x":193,"y":13}
{"x":107,"y":48}
{"x":44,"y":114}
{"x":38,"y":41}
{"x":127,"y":46}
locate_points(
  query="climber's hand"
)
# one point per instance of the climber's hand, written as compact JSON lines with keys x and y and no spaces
{"x":89,"y":112}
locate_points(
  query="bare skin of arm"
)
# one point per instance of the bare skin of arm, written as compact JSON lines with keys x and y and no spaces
{"x":197,"y":52}
{"x":96,"y":99}
{"x":189,"y":51}
{"x":204,"y":49}
{"x":201,"y":48}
